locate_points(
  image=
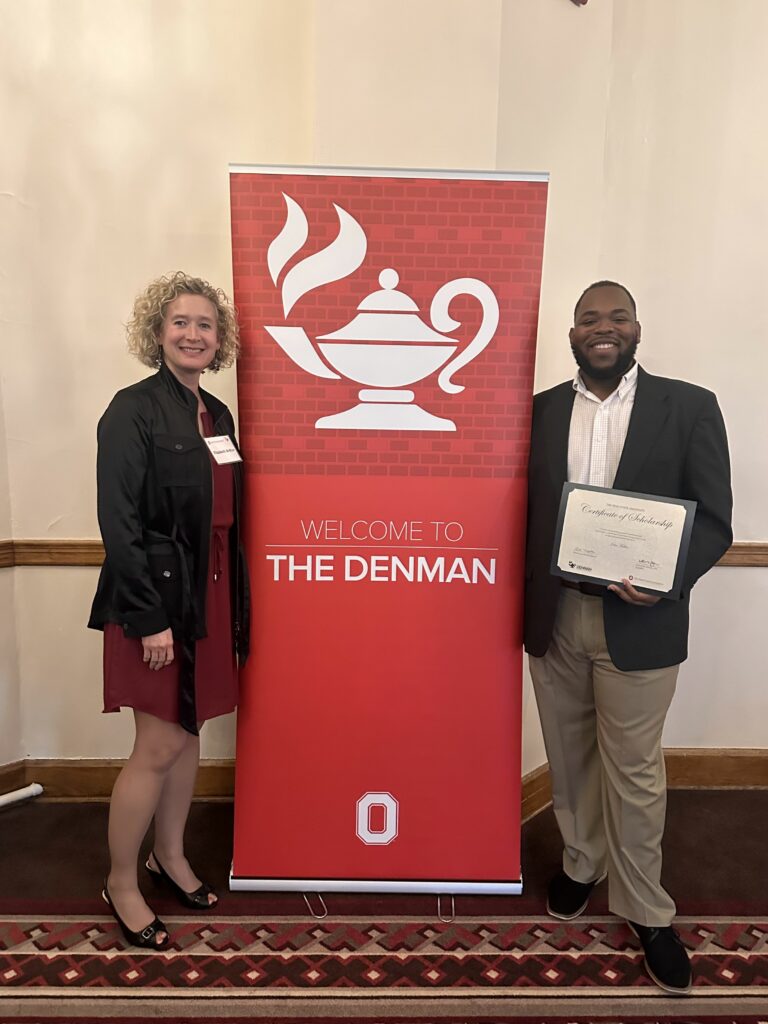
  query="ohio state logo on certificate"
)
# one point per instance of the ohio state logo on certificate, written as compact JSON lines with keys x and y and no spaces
{"x":388,"y":324}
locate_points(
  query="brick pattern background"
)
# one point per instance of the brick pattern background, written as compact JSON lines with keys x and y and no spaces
{"x":431,"y":231}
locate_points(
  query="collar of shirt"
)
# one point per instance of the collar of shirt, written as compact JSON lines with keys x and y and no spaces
{"x":627,"y":383}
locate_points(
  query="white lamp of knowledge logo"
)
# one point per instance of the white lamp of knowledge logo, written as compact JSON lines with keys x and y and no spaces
{"x":387,"y":345}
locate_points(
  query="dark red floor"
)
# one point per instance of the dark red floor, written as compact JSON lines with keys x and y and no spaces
{"x":53,"y":855}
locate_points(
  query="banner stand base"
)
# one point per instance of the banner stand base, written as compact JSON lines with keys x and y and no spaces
{"x":241,"y":883}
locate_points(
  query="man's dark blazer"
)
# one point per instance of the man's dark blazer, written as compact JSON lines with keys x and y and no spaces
{"x":676,"y":447}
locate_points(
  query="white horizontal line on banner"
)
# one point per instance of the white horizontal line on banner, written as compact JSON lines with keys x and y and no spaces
{"x":382,"y":547}
{"x":392,"y":172}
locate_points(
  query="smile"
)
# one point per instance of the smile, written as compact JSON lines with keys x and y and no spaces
{"x":604,"y":344}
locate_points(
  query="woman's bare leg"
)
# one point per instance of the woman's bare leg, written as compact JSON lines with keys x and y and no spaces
{"x":171,"y":817}
{"x":136,"y":794}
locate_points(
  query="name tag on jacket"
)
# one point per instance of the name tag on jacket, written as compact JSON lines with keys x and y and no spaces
{"x":222,"y":448}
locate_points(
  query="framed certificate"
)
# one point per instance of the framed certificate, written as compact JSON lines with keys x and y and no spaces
{"x":605,"y":536}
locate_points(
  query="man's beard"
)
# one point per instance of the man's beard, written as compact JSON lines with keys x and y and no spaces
{"x":619,"y":368}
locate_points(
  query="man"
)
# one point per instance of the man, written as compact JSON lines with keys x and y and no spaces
{"x":604,"y":660}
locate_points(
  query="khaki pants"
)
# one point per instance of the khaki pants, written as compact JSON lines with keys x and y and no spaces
{"x":602,"y":731}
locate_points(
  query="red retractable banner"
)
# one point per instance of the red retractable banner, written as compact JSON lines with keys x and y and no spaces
{"x":389,"y":323}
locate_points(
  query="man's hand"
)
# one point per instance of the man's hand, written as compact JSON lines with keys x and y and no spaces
{"x":629,"y":595}
{"x":158,"y":649}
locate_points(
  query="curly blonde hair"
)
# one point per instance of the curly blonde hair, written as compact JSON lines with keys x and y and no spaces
{"x":149,"y":311}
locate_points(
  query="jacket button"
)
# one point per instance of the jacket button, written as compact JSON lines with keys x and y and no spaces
{"x":178,"y":447}
{"x":167,"y":573}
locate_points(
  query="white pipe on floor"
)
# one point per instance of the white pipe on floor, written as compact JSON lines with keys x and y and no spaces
{"x":35,"y":789}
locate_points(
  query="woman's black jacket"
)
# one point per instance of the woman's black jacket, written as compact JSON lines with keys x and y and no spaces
{"x":155,"y":503}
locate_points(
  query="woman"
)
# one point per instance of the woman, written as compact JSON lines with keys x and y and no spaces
{"x":172,"y":595}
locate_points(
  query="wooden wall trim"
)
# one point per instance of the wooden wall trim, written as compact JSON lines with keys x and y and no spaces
{"x":744,"y":554}
{"x":58,"y":552}
{"x":7,"y":558}
{"x":93,"y":778}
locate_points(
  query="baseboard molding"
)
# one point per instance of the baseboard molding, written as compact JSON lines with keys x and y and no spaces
{"x":537,"y":792}
{"x":694,"y":768}
{"x":687,"y":768}
{"x":92,"y":779}
{"x":742,"y":554}
{"x":12,"y":776}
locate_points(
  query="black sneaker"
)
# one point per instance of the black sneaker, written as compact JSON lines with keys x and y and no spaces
{"x":666,"y":958}
{"x":566,"y":898}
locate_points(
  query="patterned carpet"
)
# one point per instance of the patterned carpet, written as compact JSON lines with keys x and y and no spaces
{"x":358,"y":968}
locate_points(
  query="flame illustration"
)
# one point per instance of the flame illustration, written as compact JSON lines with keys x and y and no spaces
{"x":291,"y":238}
{"x":339,"y":259}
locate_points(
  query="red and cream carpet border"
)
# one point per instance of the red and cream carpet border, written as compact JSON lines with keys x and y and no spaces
{"x":351,"y":967}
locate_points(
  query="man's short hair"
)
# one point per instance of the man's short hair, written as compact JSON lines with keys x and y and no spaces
{"x":608,"y":284}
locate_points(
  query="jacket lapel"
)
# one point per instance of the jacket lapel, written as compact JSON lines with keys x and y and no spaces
{"x":649,"y":414}
{"x":559,"y":426}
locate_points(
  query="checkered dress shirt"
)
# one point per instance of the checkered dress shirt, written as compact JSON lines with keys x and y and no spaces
{"x":598,"y":431}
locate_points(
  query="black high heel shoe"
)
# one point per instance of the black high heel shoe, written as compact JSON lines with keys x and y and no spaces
{"x":197,"y":900}
{"x":147,"y":937}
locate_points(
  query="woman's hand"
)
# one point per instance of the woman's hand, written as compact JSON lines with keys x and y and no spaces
{"x":158,"y":649}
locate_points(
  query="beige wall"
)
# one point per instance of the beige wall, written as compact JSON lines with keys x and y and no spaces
{"x":10,"y":719}
{"x":404,"y":84}
{"x":554,"y":88}
{"x":686,"y":210}
{"x":123,"y":115}
{"x":686,"y":222}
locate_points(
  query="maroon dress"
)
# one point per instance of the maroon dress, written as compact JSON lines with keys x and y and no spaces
{"x":130,"y":683}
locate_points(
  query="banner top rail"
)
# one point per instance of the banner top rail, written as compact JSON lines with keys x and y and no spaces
{"x":390,"y":172}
